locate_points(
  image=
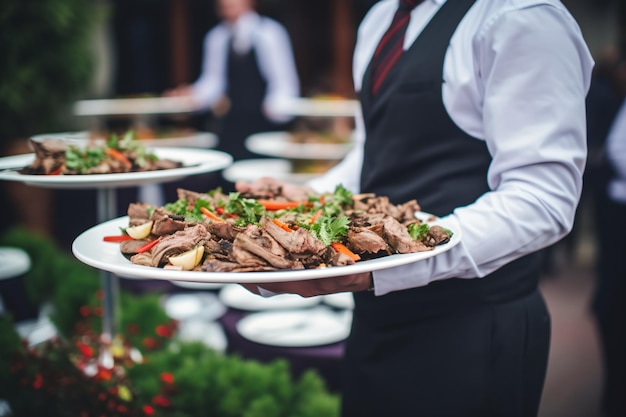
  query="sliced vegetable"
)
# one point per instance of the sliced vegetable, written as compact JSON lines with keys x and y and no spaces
{"x":341,"y":248}
{"x":148,"y":246}
{"x":211,"y":215}
{"x":57,"y":171}
{"x":282,"y":225}
{"x":117,"y":238}
{"x":316,"y":216}
{"x":281,"y":205}
{"x":141,"y":231}
{"x":117,"y":155}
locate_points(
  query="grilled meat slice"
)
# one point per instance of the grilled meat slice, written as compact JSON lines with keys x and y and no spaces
{"x":299,"y":242}
{"x":177,"y":243}
{"x":139,"y":213}
{"x":437,"y":235}
{"x":131,"y":246}
{"x":364,"y":240}
{"x":165,"y":223}
{"x":259,"y":247}
{"x":271,"y":189}
{"x":398,"y":238}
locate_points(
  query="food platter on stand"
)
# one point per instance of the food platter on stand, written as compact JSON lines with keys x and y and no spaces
{"x":250,"y":170}
{"x":281,"y":145}
{"x":195,"y":161}
{"x":90,"y":248}
{"x":182,"y":139}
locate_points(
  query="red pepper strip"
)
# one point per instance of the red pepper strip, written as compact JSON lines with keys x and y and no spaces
{"x":148,"y":246}
{"x":57,"y":171}
{"x":118,"y":238}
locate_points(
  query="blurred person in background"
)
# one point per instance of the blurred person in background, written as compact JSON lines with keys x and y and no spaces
{"x":478,"y":112}
{"x":248,"y":72}
{"x":609,"y":302}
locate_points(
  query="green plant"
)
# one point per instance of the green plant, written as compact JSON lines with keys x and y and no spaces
{"x":46,"y":62}
{"x":152,"y":373}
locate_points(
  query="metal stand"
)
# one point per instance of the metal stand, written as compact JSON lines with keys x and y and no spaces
{"x":107,"y":209}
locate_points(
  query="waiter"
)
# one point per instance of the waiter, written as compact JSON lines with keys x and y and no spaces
{"x":248,"y":71}
{"x":477,"y":110}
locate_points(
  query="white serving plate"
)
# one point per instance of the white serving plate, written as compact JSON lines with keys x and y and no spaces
{"x":295,"y":328}
{"x":236,"y":296}
{"x":90,"y":248}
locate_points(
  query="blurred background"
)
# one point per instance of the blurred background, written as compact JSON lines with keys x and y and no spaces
{"x":58,"y":52}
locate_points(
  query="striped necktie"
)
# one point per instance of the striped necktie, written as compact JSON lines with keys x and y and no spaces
{"x":390,"y":48}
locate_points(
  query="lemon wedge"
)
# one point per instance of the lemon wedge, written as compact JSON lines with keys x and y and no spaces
{"x":141,"y":231}
{"x":189,"y":259}
{"x":199,"y":253}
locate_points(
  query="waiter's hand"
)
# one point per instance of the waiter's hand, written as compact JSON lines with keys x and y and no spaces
{"x":313,"y":287}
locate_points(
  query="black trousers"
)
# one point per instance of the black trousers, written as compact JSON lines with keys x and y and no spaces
{"x":485,"y":361}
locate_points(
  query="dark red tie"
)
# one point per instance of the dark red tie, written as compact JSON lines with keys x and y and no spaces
{"x":390,"y":47}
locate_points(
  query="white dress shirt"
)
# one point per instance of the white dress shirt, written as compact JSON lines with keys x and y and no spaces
{"x":516,"y":74}
{"x":274,"y":58}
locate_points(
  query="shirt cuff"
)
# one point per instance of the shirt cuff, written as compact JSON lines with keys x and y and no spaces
{"x":401,"y":277}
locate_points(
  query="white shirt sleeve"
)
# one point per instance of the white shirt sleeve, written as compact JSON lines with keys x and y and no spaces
{"x":519,"y":82}
{"x":616,"y":153}
{"x":277,"y":64}
{"x":212,"y":83}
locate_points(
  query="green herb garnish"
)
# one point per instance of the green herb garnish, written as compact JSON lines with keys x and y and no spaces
{"x":418,"y":231}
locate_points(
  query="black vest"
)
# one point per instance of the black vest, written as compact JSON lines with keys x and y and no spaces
{"x":413,"y":149}
{"x":246,"y":91}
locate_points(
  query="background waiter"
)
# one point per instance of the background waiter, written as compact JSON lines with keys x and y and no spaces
{"x":248,"y":69}
{"x":478,"y":112}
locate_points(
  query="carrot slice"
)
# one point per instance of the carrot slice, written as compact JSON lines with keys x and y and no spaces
{"x":340,"y":247}
{"x":117,"y":238}
{"x":280,"y":205}
{"x":115,"y":154}
{"x":316,"y":216}
{"x":282,"y":225}
{"x":211,"y":215}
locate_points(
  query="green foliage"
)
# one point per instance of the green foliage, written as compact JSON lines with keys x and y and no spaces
{"x":46,"y":62}
{"x":54,"y":276}
{"x":9,"y":343}
{"x":228,"y":386}
{"x":204,"y":382}
{"x":43,"y":253}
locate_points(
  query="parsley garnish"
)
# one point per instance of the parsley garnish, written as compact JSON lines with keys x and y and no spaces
{"x":328,"y":229}
{"x":418,"y":231}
